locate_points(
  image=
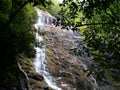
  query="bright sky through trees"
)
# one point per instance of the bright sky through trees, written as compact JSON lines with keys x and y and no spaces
{"x":59,"y":1}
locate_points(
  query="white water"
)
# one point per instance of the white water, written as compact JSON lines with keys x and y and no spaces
{"x":40,"y":62}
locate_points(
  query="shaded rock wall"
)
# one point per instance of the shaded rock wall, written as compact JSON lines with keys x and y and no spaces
{"x":64,"y":66}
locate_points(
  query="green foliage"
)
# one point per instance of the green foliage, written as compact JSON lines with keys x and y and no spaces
{"x":105,"y":39}
{"x":54,"y":8}
{"x":4,"y":11}
{"x":19,"y":34}
{"x":16,"y":36}
{"x":102,"y":31}
{"x":71,"y":14}
{"x":51,"y":6}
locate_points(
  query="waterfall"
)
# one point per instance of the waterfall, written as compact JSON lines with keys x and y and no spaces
{"x":40,"y":62}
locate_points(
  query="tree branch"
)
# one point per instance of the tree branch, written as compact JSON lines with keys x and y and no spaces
{"x":26,"y":76}
{"x":90,"y":24}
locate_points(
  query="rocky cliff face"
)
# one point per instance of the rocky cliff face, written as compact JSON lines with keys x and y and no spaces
{"x":66,"y":68}
{"x":60,"y":65}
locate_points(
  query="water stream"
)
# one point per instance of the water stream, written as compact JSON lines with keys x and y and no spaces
{"x":40,"y":62}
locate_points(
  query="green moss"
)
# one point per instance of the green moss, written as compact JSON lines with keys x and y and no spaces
{"x":49,"y":54}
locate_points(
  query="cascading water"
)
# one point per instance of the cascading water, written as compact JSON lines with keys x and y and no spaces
{"x":40,"y":62}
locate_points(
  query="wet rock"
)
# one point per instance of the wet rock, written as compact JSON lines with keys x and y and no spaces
{"x":36,"y":80}
{"x":38,"y":77}
{"x":65,"y":74}
{"x":83,"y":86}
{"x":46,"y":88}
{"x":37,"y":85}
{"x":62,"y":63}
